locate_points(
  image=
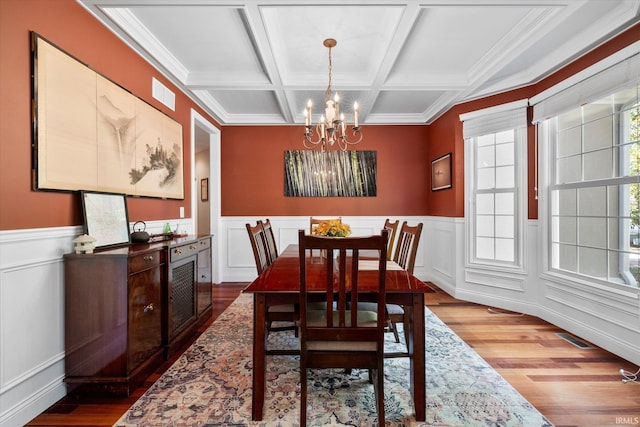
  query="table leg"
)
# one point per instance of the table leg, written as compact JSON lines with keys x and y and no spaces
{"x":416,"y":347}
{"x":259,"y":357}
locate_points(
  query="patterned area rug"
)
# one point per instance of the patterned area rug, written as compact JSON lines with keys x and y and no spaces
{"x":210,"y":385}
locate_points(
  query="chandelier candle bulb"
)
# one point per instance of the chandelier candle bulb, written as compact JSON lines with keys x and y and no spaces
{"x":355,"y":114}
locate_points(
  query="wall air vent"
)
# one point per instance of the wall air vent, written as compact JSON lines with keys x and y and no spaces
{"x":163,"y":94}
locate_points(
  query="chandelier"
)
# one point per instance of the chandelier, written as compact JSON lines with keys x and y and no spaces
{"x":331,"y":130}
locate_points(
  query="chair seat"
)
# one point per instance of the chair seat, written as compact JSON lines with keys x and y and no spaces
{"x":391,"y":308}
{"x":366,"y":319}
{"x":341,"y":346}
{"x":283,"y":308}
{"x":394,"y":313}
{"x":394,"y":309}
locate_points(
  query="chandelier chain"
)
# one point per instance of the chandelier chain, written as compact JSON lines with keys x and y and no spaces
{"x":327,"y":95}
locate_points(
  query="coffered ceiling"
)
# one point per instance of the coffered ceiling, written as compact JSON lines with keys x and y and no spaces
{"x":405,"y":62}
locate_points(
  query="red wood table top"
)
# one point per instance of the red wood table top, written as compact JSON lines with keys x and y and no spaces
{"x":284,"y":276}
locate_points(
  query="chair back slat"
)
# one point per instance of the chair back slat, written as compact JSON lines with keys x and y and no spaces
{"x":407,"y":246}
{"x":392,"y":228}
{"x":272,"y":249}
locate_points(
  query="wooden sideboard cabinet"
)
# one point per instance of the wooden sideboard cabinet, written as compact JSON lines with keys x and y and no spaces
{"x":113,"y":318}
{"x":129,"y":308}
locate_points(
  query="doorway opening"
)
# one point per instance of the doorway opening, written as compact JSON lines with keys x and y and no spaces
{"x":205,"y":188}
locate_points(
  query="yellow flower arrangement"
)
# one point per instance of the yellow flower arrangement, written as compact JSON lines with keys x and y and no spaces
{"x":332,"y":228}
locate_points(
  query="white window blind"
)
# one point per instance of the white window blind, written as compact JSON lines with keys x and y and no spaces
{"x":495,"y":119}
{"x":622,"y":74}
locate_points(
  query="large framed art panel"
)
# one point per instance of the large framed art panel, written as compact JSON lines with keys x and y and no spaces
{"x":91,"y":134}
{"x":310,"y":173}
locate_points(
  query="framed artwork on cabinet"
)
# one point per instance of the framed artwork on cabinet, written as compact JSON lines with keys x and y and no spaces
{"x":106,"y":218}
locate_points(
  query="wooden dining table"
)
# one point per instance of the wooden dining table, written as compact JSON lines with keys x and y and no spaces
{"x":280,"y":284}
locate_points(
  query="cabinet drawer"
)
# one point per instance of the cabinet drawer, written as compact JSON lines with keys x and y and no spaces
{"x":183,"y":251}
{"x":204,"y":243}
{"x":144,"y":261}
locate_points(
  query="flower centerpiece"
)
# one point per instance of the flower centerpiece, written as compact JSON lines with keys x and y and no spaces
{"x":331,"y":228}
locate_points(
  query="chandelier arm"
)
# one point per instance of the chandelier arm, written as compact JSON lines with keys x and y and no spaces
{"x":308,"y":138}
{"x":355,"y":133}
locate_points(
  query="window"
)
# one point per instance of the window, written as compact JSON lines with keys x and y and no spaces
{"x":590,"y":132}
{"x":594,"y":191}
{"x":495,"y":164}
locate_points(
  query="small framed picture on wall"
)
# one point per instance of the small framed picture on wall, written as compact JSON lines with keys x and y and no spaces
{"x":441,"y":173}
{"x":204,"y":189}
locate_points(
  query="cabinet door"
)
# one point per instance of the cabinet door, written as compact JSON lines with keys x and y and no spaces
{"x":145,"y":315}
{"x":205,"y":293}
{"x":182,"y":294}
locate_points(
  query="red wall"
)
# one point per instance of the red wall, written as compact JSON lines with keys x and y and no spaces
{"x":252,"y":157}
{"x":445,"y":133}
{"x":70,"y":27}
{"x":253,"y":173}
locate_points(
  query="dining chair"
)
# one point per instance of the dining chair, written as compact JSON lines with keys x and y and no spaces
{"x":259,"y":237}
{"x":405,"y":257}
{"x":337,"y":337}
{"x":258,"y":245}
{"x":407,"y":246}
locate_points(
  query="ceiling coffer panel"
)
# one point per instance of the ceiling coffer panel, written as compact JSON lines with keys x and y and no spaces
{"x":258,"y":61}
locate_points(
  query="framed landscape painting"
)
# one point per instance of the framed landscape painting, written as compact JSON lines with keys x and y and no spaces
{"x":91,"y":134}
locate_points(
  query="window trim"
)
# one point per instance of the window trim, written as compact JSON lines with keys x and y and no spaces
{"x":488,"y":119}
{"x":544,"y":133}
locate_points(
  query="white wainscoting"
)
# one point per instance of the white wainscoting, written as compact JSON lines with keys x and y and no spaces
{"x":604,"y":315}
{"x":237,"y":260}
{"x":32,"y":317}
{"x":32,"y":320}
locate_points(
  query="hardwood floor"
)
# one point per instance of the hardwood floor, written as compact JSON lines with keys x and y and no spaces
{"x":569,"y":385}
